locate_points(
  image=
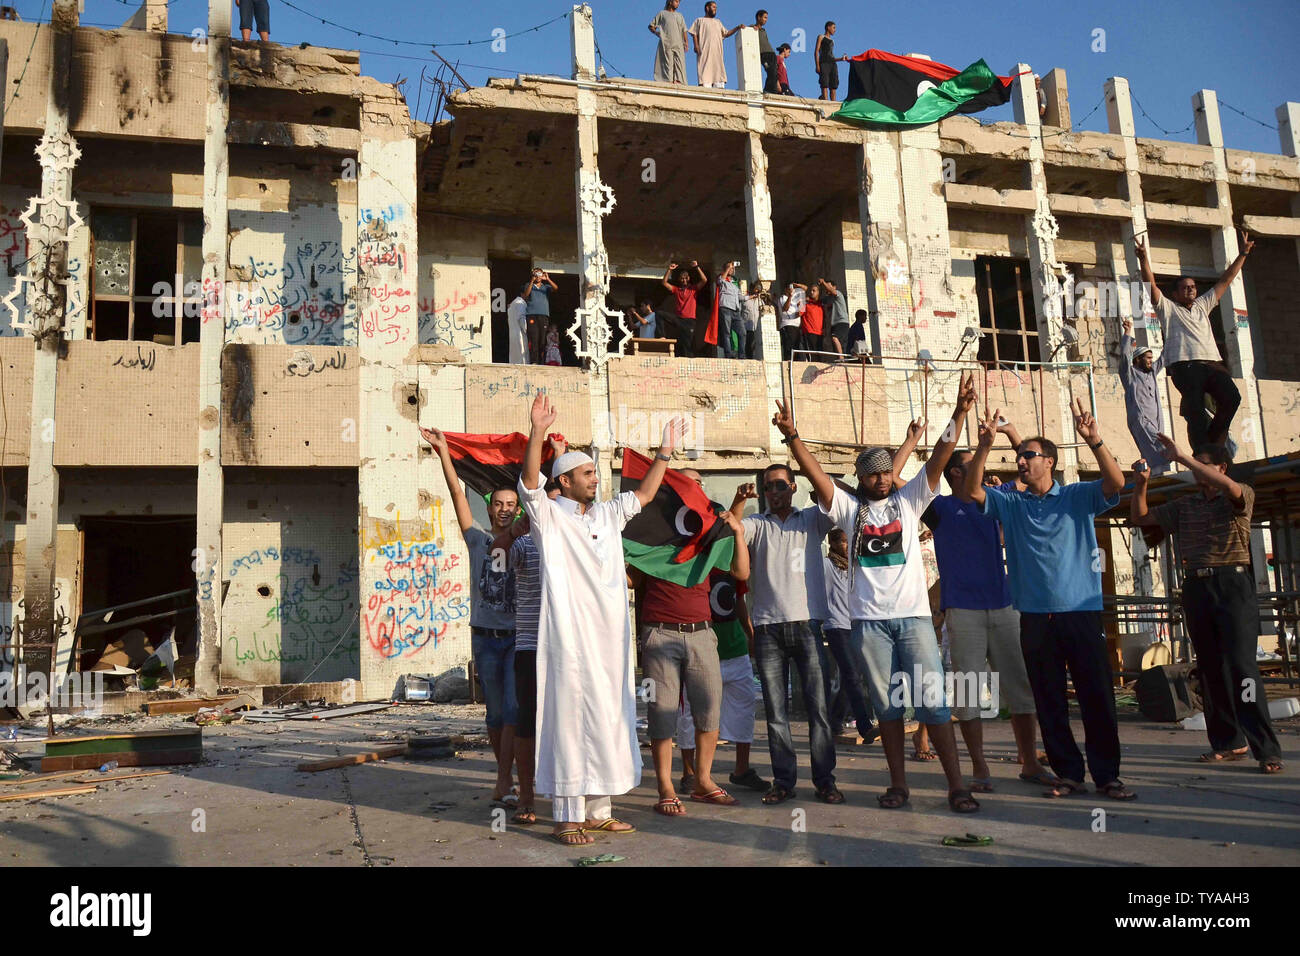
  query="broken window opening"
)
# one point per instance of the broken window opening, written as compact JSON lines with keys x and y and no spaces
{"x":1008,"y":319}
{"x":146,"y":268}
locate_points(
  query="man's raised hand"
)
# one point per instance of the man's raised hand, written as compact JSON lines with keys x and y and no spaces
{"x":1140,"y":475}
{"x":783,"y":420}
{"x":989,"y":429}
{"x":436,"y":439}
{"x":1247,"y":243}
{"x":1140,"y":249}
{"x":543,"y":413}
{"x":966,"y":393}
{"x":745,"y":491}
{"x":1084,"y":423}
{"x":674,"y":432}
{"x":1171,"y":449}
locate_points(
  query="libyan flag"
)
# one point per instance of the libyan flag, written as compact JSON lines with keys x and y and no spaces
{"x":678,"y":537}
{"x":888,"y":91}
{"x":487,"y":462}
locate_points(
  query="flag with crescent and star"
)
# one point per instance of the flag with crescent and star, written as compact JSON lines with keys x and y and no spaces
{"x":678,"y":537}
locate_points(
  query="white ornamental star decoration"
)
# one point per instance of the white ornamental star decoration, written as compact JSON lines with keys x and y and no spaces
{"x":50,"y":220}
{"x":599,"y":197}
{"x":59,"y":153}
{"x":596,"y":322}
{"x":25,"y":300}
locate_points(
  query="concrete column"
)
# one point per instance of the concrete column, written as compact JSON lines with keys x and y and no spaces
{"x":1119,"y":114}
{"x":155,"y":16}
{"x":1058,"y":99}
{"x":403,"y":612}
{"x":1232,"y":307}
{"x":46,"y":301}
{"x":758,"y":220}
{"x":1288,"y":131}
{"x":1052,"y":282}
{"x":212,"y":339}
{"x":592,"y":257}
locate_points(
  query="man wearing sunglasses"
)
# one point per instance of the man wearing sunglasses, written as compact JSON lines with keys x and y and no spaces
{"x":788,"y":593}
{"x":893,"y":629}
{"x":1055,"y":576}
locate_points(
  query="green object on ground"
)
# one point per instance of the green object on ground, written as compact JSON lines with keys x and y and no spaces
{"x":969,"y":839}
{"x":603,"y":858}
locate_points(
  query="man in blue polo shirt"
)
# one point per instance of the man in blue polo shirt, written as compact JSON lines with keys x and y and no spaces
{"x":537,"y":293}
{"x":1056,"y":585}
{"x":981,"y":623}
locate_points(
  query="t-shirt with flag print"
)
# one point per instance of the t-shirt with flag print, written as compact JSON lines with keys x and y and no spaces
{"x":885,"y":551}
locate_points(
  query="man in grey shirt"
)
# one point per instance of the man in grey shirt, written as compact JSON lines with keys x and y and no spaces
{"x":1191,"y":354}
{"x":787,"y":596}
{"x":670,"y":58}
{"x":729,"y":320}
{"x":1138,"y":368}
{"x":837,"y":313}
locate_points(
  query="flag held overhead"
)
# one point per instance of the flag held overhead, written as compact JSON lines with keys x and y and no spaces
{"x":889,"y":91}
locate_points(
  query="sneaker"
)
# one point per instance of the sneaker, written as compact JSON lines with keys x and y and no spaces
{"x":750,"y":780}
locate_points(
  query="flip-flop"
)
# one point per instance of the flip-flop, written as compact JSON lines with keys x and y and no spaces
{"x":1044,"y":779}
{"x":1223,"y":756}
{"x":1117,"y":791}
{"x":924,"y":755}
{"x":1271,"y":765}
{"x":662,"y":807}
{"x":521,"y":815}
{"x":1064,"y":788}
{"x":572,"y":831}
{"x":961,"y":801}
{"x":607,"y":826}
{"x":718,"y":796}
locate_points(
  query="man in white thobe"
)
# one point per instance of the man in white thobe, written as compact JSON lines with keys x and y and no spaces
{"x":586,"y":747}
{"x":707,"y":34}
{"x":517,"y":325}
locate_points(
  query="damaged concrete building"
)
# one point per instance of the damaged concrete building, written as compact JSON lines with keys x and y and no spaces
{"x":238,"y":276}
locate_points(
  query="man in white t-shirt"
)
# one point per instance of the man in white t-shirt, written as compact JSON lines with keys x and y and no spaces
{"x":791,"y":317}
{"x":1191,"y":355}
{"x":890,"y":605}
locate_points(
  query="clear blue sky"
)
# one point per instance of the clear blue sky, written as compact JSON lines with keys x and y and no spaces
{"x":1168,"y":49}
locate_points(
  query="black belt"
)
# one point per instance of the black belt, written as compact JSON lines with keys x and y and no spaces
{"x":680,"y":628}
{"x":1217,"y":569}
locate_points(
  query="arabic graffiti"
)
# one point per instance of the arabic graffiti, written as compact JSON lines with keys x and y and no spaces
{"x":144,"y":362}
{"x":414,"y":599}
{"x":304,"y":364}
{"x":310,"y":617}
{"x":303,"y":295}
{"x":444,"y":322}
{"x":385,"y":263}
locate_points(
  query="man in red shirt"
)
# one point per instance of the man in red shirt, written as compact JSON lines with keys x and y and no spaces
{"x":812,"y":322}
{"x":782,"y":76}
{"x":684,"y":289}
{"x":679,"y":652}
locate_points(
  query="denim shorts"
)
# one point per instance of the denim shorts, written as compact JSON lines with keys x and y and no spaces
{"x":255,"y":9}
{"x":900,"y":662}
{"x":494,"y":660}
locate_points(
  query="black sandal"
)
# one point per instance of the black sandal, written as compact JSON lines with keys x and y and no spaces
{"x":1117,"y":791}
{"x":961,"y":801}
{"x":895,"y":798}
{"x":830,"y":794}
{"x":1065,"y":788}
{"x":777,"y":795}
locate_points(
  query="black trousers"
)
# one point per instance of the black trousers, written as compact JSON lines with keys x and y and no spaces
{"x":685,"y":333}
{"x":1053,"y":643}
{"x":537,"y":327}
{"x":770,"y":84}
{"x":1195,"y":380}
{"x":789,"y":340}
{"x":526,"y":693}
{"x":1223,"y":621}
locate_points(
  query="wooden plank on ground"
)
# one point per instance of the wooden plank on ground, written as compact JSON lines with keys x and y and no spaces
{"x":311,"y":766}
{"x":185,"y":705}
{"x":38,"y":794}
{"x":42,"y":777}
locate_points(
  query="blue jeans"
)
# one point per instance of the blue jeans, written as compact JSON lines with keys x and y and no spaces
{"x":775,"y":645}
{"x":259,"y":9}
{"x":729,"y":321}
{"x":494,"y":660}
{"x":850,"y":697}
{"x":902,"y":646}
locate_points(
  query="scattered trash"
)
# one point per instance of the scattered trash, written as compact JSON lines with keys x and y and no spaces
{"x":970,"y":839}
{"x":208,"y":716}
{"x":1286,"y":707}
{"x":603,"y":858}
{"x":416,"y":687}
{"x":111,"y":765}
{"x":1194,"y":722}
